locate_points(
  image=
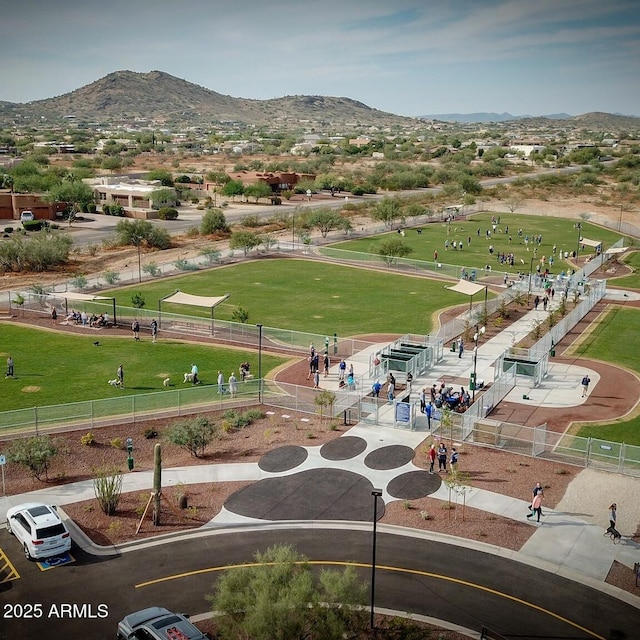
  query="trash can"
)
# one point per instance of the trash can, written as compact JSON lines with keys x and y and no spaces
{"x":347,"y":417}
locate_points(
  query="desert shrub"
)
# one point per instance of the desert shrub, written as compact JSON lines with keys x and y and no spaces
{"x":107,"y":486}
{"x":117,"y":443}
{"x":212,"y":221}
{"x":167,"y":213}
{"x":193,"y":435}
{"x":212,"y":255}
{"x":88,"y":439}
{"x":32,"y":225}
{"x":8,"y":229}
{"x":111,"y":277}
{"x":185,"y":265}
{"x":152,"y":269}
{"x":150,"y":433}
{"x":34,"y":453}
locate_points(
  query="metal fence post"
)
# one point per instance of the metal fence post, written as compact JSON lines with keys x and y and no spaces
{"x":588,"y":452}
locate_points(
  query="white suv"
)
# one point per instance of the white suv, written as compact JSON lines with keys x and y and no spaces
{"x":27,"y":216}
{"x":40,"y":530}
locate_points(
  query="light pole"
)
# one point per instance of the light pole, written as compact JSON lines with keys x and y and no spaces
{"x":137,"y":240}
{"x":579,"y":228}
{"x":620,"y":221}
{"x":476,"y":336}
{"x":376,"y":493}
{"x":259,"y":362}
{"x":530,"y":277}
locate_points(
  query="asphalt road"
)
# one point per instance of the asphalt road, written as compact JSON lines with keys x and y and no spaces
{"x":457,"y":584}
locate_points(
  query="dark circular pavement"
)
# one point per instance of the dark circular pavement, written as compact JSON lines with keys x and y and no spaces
{"x":343,"y":448}
{"x":390,"y":457}
{"x":283,"y":459}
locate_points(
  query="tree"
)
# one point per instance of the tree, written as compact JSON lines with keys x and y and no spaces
{"x":165,"y":197}
{"x":325,"y":220}
{"x":392,"y":249}
{"x":77,"y":194}
{"x":213,"y":220}
{"x":194,"y":435}
{"x":387,"y":211}
{"x":240,"y":315}
{"x":514,"y":201}
{"x":112,"y":163}
{"x":258,"y":190}
{"x":164,"y":177}
{"x":323,"y":400}
{"x":139,"y":232}
{"x":278,"y":598}
{"x":33,"y":453}
{"x":232,"y":189}
{"x":245,"y":240}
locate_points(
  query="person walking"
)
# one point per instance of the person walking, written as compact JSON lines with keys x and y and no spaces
{"x":613,"y":515}
{"x":233,"y":385}
{"x":54,"y":315}
{"x":326,"y":363}
{"x":391,"y":388}
{"x":423,"y":399}
{"x":316,"y":379}
{"x":9,"y":368}
{"x":460,"y":347}
{"x":342,"y":370}
{"x":220,"y":383}
{"x":428,"y":411}
{"x":442,"y":458}
{"x":120,"y":376}
{"x":585,"y":385}
{"x":431,"y":455}
{"x":135,"y":327}
{"x":194,"y":373}
{"x":154,"y":330}
{"x":536,"y":506}
{"x":453,"y":462}
{"x":375,"y":389}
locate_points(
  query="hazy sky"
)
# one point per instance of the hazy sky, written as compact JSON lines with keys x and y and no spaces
{"x":409,"y":57}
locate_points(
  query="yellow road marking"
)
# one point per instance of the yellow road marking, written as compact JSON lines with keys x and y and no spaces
{"x":365,"y":565}
{"x":7,"y":570}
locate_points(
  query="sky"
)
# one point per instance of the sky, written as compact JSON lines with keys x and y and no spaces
{"x":407,"y":57}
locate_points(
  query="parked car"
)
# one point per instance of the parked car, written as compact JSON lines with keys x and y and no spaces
{"x":39,"y":529}
{"x":27,"y":216}
{"x":158,"y":623}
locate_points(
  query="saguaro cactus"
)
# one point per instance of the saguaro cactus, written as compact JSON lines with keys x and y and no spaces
{"x":157,"y":483}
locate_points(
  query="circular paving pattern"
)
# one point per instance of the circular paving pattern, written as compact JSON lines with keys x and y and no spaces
{"x":343,"y":448}
{"x":316,"y":494}
{"x":283,"y":459}
{"x":390,"y":457}
{"x":414,"y":485}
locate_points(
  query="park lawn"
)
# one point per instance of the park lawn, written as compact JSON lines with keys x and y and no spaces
{"x":559,"y":231}
{"x":631,"y":281}
{"x":610,"y":342}
{"x":55,"y":368}
{"x":309,"y":296}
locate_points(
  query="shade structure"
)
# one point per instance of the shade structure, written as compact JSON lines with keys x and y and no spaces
{"x":590,"y":243}
{"x":468,"y":288}
{"x":179,"y":297}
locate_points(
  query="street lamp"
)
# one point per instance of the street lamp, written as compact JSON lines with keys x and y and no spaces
{"x":476,"y":336}
{"x":579,"y":228}
{"x":137,"y":240}
{"x":620,"y":221}
{"x":530,"y":277}
{"x":259,"y":362}
{"x":376,"y":493}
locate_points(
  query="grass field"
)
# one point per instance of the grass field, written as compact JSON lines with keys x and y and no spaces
{"x":559,"y":231}
{"x":309,"y":296}
{"x":54,"y":368}
{"x":610,"y":342}
{"x":632,"y":281}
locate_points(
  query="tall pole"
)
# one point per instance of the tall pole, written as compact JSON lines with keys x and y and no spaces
{"x":620,"y":221}
{"x":259,"y":362}
{"x":530,"y":277}
{"x":293,"y":230}
{"x":476,"y":338}
{"x":579,"y":227}
{"x":376,"y":493}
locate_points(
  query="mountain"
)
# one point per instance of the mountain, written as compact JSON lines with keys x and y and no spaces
{"x":158,"y":96}
{"x":487,"y":117}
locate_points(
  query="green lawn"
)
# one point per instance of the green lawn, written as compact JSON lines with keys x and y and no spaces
{"x":631,"y":281}
{"x":558,"y":231}
{"x":309,"y":296}
{"x":54,"y":368}
{"x":610,"y":342}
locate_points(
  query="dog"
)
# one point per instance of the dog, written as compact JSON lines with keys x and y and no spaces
{"x":248,"y":376}
{"x":114,"y":383}
{"x":166,"y":382}
{"x":188,"y":377}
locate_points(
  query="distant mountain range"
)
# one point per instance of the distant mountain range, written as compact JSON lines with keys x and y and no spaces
{"x":488,"y":117}
{"x":160,"y":97}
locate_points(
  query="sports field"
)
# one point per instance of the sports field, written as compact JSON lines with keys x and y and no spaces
{"x":53,"y":368}
{"x":309,"y":296}
{"x":515,"y":233}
